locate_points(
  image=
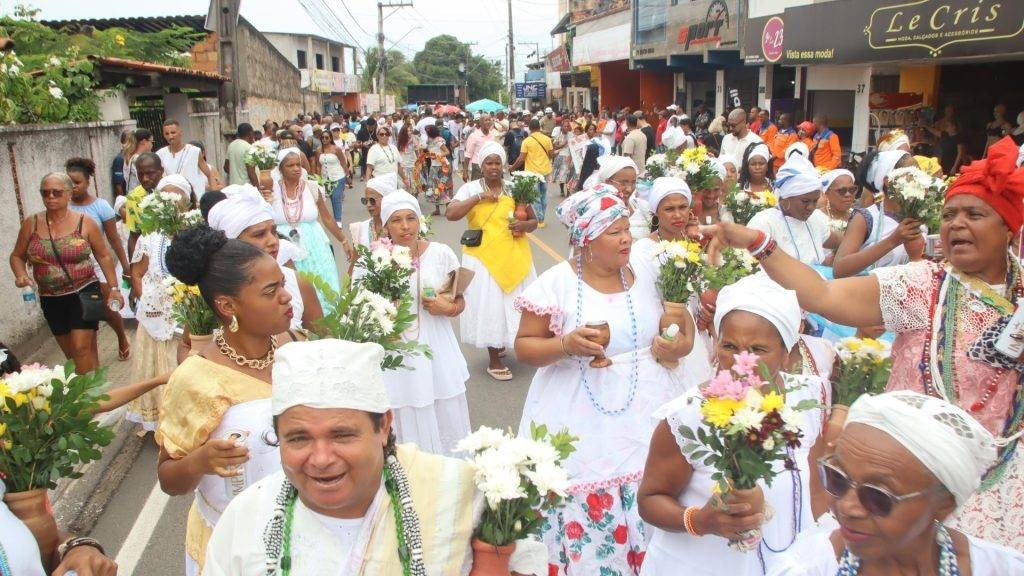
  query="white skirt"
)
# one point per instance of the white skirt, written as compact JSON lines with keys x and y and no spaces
{"x":435,"y":428}
{"x":490,"y":319}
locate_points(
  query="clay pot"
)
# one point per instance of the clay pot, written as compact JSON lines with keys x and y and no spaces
{"x":491,"y":560}
{"x":675,"y":313}
{"x":521,"y":214}
{"x":32,"y":507}
{"x":836,"y":421}
{"x":266,"y":182}
{"x":198,"y":341}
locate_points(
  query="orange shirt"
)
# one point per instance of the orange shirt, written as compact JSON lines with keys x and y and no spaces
{"x":778,"y":144}
{"x":829,"y":153}
{"x":768,"y":134}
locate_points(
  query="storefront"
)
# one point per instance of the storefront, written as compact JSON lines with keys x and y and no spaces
{"x":603,"y":44}
{"x":896,"y":64}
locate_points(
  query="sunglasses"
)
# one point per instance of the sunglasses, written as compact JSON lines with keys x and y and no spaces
{"x":51,"y":193}
{"x":368,"y":201}
{"x":624,"y":185}
{"x":847,"y":191}
{"x":876,"y":500}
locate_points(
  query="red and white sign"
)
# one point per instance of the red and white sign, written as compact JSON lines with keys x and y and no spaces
{"x":771,"y":39}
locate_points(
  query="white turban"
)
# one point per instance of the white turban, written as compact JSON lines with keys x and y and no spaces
{"x":893,"y":140}
{"x":243,"y":207}
{"x":950,"y":443}
{"x":398,"y":200}
{"x":491,"y":148}
{"x":664,"y":187}
{"x":329,"y":373}
{"x":796,"y":148}
{"x":609,"y":165}
{"x":728,"y":159}
{"x":119,"y":202}
{"x":759,"y":294}
{"x":286,"y":152}
{"x":176,"y":180}
{"x":797,"y":177}
{"x":831,"y":175}
{"x":761,"y":149}
{"x":882,"y":164}
{"x":719,"y":167}
{"x":384,"y":184}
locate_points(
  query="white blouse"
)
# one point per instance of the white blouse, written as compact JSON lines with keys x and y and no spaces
{"x":803,"y":240}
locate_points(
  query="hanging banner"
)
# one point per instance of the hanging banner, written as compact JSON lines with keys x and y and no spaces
{"x":558,"y":60}
{"x":534,"y":90}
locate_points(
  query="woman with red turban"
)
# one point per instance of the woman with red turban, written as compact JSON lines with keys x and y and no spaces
{"x":947,"y":317}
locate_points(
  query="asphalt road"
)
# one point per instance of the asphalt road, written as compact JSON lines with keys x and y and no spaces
{"x":145,"y":530}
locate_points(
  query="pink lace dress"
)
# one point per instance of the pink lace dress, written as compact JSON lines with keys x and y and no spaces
{"x":922,"y":303}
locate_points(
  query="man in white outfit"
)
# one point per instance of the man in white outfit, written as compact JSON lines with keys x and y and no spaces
{"x":740,"y":135}
{"x":179,"y":157}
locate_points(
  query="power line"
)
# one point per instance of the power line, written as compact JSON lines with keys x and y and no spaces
{"x":354,"y":19}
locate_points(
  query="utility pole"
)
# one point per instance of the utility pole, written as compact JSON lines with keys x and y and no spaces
{"x":381,"y":55}
{"x":464,"y":68}
{"x":225,"y":24}
{"x":511,"y":57}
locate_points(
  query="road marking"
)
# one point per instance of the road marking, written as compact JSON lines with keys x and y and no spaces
{"x":547,"y":249}
{"x":142,"y":530}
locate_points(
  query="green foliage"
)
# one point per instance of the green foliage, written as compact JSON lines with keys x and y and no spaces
{"x":438,"y":63}
{"x":62,"y":90}
{"x":400,"y":73}
{"x":736,"y":264}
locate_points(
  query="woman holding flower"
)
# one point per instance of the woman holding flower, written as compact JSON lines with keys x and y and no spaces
{"x":216,"y":408}
{"x":429,"y":400}
{"x":755,"y":172}
{"x":838,"y":200}
{"x":879,"y":235}
{"x":597,"y":526}
{"x":947,"y":318}
{"x":154,"y":339}
{"x":502,"y":264}
{"x":758,"y":325}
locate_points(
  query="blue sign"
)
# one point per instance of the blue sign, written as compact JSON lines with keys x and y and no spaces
{"x":531,"y":90}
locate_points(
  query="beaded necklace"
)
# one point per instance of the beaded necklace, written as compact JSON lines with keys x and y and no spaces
{"x":277,"y":538}
{"x":634,"y":375}
{"x":849,"y":564}
{"x":5,"y":565}
{"x":785,"y":220}
{"x":292,"y":207}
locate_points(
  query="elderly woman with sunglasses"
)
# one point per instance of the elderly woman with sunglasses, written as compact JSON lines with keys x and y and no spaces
{"x":947,"y":318}
{"x":621,"y":173}
{"x":877,"y":236}
{"x":901,"y":466}
{"x":383,"y":157}
{"x":364,"y":233}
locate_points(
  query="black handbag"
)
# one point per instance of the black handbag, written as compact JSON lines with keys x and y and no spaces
{"x":89,"y":296}
{"x":472,"y":238}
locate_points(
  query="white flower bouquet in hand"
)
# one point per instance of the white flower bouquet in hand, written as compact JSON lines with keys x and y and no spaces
{"x":519,"y":477}
{"x":919,"y":194}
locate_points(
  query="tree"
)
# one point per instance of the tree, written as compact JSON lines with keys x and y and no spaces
{"x":400,"y":73}
{"x":438,"y":63}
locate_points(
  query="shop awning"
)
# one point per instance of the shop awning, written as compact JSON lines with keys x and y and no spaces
{"x":563,"y":25}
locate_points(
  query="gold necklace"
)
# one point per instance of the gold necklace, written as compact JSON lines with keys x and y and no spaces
{"x":231,"y":354}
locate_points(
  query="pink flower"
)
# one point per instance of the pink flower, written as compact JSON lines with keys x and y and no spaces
{"x":746,"y":363}
{"x":724,"y":386}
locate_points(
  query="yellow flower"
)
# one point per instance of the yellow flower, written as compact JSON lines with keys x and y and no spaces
{"x":693,"y":257}
{"x":4,"y":391}
{"x":47,"y":407}
{"x":3,"y":428}
{"x":769,"y":198}
{"x":772,"y":401}
{"x":119,"y":39}
{"x":718,"y":411}
{"x":7,"y":444}
{"x":19,"y":399}
{"x":872,"y":344}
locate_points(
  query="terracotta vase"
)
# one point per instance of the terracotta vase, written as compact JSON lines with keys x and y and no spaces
{"x":32,"y":507}
{"x":708,"y":298}
{"x":266,"y":182}
{"x":521,"y":214}
{"x":836,"y":421}
{"x":198,"y":342}
{"x":491,"y":560}
{"x":675,"y":313}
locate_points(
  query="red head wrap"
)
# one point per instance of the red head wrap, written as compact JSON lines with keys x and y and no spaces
{"x":997,"y":181}
{"x":806,"y":126}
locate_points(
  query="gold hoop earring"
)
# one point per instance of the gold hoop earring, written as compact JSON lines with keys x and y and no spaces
{"x":233,"y":326}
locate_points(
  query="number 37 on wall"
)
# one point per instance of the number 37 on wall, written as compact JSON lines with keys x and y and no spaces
{"x":861,"y":88}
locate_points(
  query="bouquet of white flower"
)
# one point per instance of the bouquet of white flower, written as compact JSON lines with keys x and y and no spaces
{"x":161,"y":212}
{"x":519,"y":478}
{"x":261,"y":155}
{"x":388,"y":268}
{"x":743,"y":205}
{"x":698,"y":168}
{"x":658,"y":166}
{"x":919,"y":194}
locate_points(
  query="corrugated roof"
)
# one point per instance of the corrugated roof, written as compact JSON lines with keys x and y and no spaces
{"x":141,"y":66}
{"x":139,"y":23}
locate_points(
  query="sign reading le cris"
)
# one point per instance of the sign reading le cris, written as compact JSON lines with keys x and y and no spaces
{"x":887,"y":30}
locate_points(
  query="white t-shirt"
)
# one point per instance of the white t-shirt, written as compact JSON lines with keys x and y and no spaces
{"x":186,"y":163}
{"x":307,"y":131}
{"x":737,"y":146}
{"x":383,"y":160}
{"x":803,"y":240}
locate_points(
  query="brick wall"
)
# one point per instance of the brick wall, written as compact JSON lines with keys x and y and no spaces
{"x":205,"y":54}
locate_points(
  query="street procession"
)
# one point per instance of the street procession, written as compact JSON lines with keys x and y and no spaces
{"x":512,"y":288}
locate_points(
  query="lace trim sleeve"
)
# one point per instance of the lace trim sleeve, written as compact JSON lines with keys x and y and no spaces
{"x":683,"y":411}
{"x":141,"y":250}
{"x":904,"y":295}
{"x":555,"y":314}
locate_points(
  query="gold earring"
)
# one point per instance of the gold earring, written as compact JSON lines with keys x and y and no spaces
{"x":234,"y":323}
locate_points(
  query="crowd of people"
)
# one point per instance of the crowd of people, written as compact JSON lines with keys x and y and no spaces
{"x":303,"y":453}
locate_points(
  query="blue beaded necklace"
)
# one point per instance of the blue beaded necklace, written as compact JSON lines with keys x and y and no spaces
{"x":5,"y":565}
{"x":785,"y":220}
{"x":634,"y":374}
{"x":849,"y":565}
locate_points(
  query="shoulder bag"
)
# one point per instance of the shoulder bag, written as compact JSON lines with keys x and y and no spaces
{"x":473,"y":237}
{"x":90,"y":296}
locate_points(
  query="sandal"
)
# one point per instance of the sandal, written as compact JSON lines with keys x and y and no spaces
{"x":500,"y":374}
{"x":123,"y":354}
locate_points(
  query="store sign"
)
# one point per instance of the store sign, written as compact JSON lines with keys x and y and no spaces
{"x":558,"y":60}
{"x":889,"y":30}
{"x":669,"y":27}
{"x":531,"y":90}
{"x":607,"y":45}
{"x":771,"y":39}
{"x":707,"y":31}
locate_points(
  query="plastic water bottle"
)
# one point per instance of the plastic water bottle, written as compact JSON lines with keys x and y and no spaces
{"x":28,"y":297}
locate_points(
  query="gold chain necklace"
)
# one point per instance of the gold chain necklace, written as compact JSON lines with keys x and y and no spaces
{"x":230,"y":353}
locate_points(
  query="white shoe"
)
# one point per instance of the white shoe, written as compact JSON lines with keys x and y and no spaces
{"x":338,"y":222}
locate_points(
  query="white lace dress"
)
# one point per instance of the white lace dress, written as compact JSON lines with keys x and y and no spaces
{"x":429,"y":399}
{"x":597,"y":529}
{"x":672,"y":553}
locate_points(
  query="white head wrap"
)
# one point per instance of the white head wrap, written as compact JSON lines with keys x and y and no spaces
{"x":398,"y":200}
{"x":761,"y":149}
{"x":797,"y":177}
{"x":831,"y":175}
{"x":329,"y":373}
{"x":728,"y":159}
{"x":950,"y":443}
{"x":176,"y":180}
{"x":286,"y":152}
{"x":609,"y":165}
{"x":243,"y":207}
{"x":759,"y":294}
{"x":883,"y":163}
{"x":796,"y":148}
{"x":719,"y":167}
{"x":893,"y":140}
{"x":384,"y":184}
{"x":664,"y":187}
{"x":121,"y":200}
{"x":490,"y":148}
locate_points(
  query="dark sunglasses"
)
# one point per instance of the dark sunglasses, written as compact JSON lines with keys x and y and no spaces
{"x":368,"y":201}
{"x":51,"y":193}
{"x":876,"y":500}
{"x":847,"y":191}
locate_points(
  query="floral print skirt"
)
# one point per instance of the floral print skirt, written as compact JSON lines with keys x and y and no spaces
{"x":597,"y":531}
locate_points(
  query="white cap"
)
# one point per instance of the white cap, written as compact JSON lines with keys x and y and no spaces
{"x":548,"y":110}
{"x":672,"y":107}
{"x":329,"y":373}
{"x":335,"y":126}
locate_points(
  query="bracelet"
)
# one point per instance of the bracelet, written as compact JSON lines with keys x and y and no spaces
{"x":761,"y":239}
{"x":688,"y":521}
{"x":561,"y":343}
{"x":767,"y":250}
{"x":75,"y":542}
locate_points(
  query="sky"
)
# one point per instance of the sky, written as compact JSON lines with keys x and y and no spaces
{"x":407,"y":29}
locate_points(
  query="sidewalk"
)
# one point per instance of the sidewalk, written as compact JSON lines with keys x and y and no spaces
{"x":77,"y":503}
